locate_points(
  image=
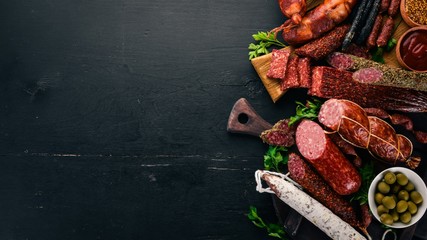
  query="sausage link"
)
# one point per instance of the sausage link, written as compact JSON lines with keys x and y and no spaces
{"x":384,"y":6}
{"x":393,"y":8}
{"x":371,"y":42}
{"x":386,"y":32}
{"x":302,"y":173}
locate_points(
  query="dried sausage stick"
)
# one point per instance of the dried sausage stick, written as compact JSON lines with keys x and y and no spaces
{"x":393,"y":8}
{"x":302,"y":174}
{"x":329,"y":82}
{"x":372,"y":39}
{"x":323,"y":46}
{"x":308,"y":207}
{"x":384,"y":5}
{"x":386,"y":32}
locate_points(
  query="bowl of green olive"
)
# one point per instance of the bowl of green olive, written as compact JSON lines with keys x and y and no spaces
{"x":397,"y":197}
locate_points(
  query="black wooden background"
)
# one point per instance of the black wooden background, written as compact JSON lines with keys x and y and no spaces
{"x":113,"y":119}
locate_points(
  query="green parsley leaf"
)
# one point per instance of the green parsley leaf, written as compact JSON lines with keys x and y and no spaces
{"x":390,"y":44}
{"x":265,"y":40}
{"x":377,"y":55}
{"x":273,"y":158}
{"x":310,"y":110}
{"x":273,"y":230}
{"x":367,"y":174}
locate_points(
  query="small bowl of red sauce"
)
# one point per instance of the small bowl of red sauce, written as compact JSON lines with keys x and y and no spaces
{"x":411,"y":49}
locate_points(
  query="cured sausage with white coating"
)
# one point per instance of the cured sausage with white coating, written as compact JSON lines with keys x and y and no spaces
{"x":308,"y":207}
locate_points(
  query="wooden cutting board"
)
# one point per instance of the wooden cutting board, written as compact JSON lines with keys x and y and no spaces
{"x":262,"y":63}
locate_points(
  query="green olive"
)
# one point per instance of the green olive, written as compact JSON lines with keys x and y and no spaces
{"x":383,"y":187}
{"x":403,"y":195}
{"x":401,"y":206}
{"x":401,"y":179}
{"x":405,"y":217}
{"x":416,"y":197}
{"x":381,"y":209}
{"x":389,"y":178}
{"x":386,"y":218}
{"x":389,"y":202}
{"x":379,"y":197}
{"x":412,"y":207}
{"x":395,"y":215}
{"x":395,"y":188}
{"x":409,"y":187}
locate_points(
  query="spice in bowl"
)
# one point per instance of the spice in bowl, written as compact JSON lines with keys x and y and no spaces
{"x":417,"y":11}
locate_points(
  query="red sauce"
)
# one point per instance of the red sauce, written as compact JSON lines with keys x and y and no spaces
{"x":414,"y":50}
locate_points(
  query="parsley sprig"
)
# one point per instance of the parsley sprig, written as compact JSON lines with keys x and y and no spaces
{"x":273,"y":158}
{"x":274,"y":230}
{"x":367,"y":174}
{"x":310,"y":110}
{"x":265,"y":40}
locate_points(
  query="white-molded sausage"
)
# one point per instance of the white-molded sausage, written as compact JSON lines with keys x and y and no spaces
{"x":307,"y":206}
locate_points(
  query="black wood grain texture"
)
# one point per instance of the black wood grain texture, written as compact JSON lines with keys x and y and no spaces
{"x":113,"y":119}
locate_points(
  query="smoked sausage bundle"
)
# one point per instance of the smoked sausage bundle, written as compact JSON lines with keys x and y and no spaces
{"x":318,"y":149}
{"x":369,"y":132}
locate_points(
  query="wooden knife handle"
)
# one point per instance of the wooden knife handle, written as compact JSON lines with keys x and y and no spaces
{"x":243,"y":119}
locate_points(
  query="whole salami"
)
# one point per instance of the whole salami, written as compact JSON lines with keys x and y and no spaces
{"x":302,"y":173}
{"x":315,"y":146}
{"x":372,"y":133}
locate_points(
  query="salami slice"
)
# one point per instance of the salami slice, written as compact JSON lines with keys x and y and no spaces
{"x":304,"y":70}
{"x":279,"y":61}
{"x":315,"y":146}
{"x":291,"y":79}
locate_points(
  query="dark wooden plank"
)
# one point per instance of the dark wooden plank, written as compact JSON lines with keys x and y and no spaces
{"x":113,"y":119}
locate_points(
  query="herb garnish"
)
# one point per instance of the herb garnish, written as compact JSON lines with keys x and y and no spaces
{"x":273,"y":158}
{"x":266,"y":40}
{"x":274,"y":230}
{"x":367,"y":174}
{"x":377,"y":54}
{"x":310,"y":110}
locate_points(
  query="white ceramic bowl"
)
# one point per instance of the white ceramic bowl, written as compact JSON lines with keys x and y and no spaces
{"x":419,"y":184}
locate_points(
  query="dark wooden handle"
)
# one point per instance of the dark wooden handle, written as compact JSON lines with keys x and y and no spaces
{"x":243,"y":119}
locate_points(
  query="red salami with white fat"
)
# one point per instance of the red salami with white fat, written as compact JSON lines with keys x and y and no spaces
{"x":315,"y":146}
{"x":304,"y":70}
{"x":279,"y":62}
{"x":291,"y":79}
{"x":302,"y":173}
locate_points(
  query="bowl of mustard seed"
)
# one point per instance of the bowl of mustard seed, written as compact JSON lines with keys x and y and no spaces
{"x":414,"y":12}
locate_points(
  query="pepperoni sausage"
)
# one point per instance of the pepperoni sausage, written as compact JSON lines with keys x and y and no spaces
{"x":326,"y":158}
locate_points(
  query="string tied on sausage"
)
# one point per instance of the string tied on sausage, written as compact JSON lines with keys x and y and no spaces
{"x":260,"y":173}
